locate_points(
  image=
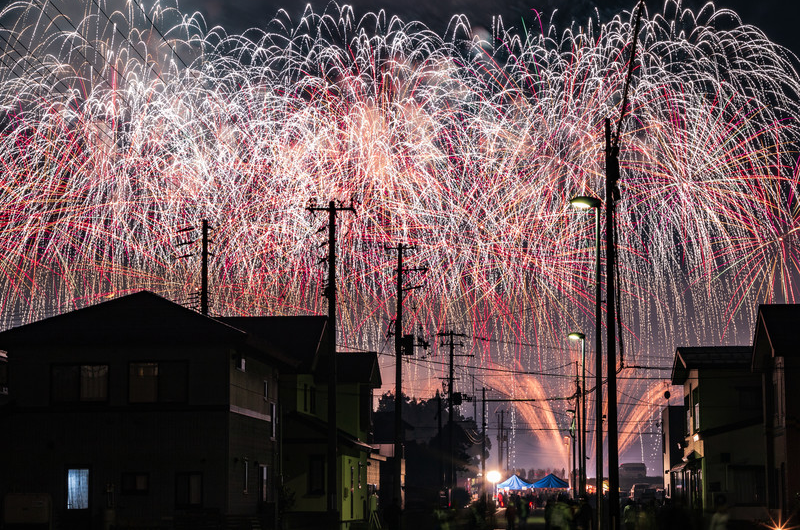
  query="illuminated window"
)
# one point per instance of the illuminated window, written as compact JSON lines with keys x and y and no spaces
{"x":77,"y":489}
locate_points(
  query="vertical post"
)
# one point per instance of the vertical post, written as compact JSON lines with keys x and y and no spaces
{"x":500,"y":443}
{"x":483,"y":440}
{"x":612,"y":176}
{"x":577,"y":438}
{"x":397,"y":493}
{"x":204,"y":269}
{"x":450,"y":419}
{"x":599,"y":426}
{"x":441,"y":451}
{"x":333,"y":509}
{"x":583,"y":425}
{"x":330,"y":292}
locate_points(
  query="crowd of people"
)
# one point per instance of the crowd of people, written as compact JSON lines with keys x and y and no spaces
{"x":564,"y":513}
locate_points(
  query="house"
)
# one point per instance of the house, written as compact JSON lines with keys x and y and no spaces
{"x":673,"y":441}
{"x":139,"y":412}
{"x":304,"y":432}
{"x":775,"y":359}
{"x":724,"y":447}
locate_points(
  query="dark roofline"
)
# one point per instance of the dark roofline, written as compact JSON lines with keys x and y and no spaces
{"x":780,"y":325}
{"x":683,"y":361}
{"x":32,"y":333}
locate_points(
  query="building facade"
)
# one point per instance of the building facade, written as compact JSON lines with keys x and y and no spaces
{"x":139,"y":412}
{"x":723,"y":449}
{"x":775,"y":360}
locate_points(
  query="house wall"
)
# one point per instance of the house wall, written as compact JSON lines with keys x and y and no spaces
{"x":157,"y":441}
{"x":728,"y":438}
{"x":253,"y":438}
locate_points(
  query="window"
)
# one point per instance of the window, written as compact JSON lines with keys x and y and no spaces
{"x":316,"y":485}
{"x":188,"y":490}
{"x":305,"y":397}
{"x":78,"y":489}
{"x":135,"y":484}
{"x":266,"y":493}
{"x":273,"y":421}
{"x":143,"y":382}
{"x":266,"y":390}
{"x":163,"y":382}
{"x":688,"y":426}
{"x":3,"y":373}
{"x":71,"y":383}
{"x":245,"y":477}
{"x":696,"y":410}
{"x":313,"y":400}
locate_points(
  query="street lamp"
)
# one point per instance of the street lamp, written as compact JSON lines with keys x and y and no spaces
{"x":586,"y":203}
{"x":494,"y":477}
{"x":582,"y":416}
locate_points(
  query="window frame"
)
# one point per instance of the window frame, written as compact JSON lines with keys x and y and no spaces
{"x":66,"y":505}
{"x":78,"y":391}
{"x":188,"y":475}
{"x":161,"y":380}
{"x":126,"y":476}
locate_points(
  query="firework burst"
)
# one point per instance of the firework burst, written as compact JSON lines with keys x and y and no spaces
{"x":122,"y":128}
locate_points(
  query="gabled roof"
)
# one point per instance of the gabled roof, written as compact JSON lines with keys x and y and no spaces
{"x":776,"y":333}
{"x":355,"y":367}
{"x":705,"y":357}
{"x":299,"y":338}
{"x":142,"y":317}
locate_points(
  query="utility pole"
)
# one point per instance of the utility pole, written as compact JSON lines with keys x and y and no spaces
{"x":500,"y":442}
{"x":483,"y":441}
{"x":204,"y":263}
{"x":400,"y":351}
{"x":439,"y":436}
{"x":452,"y":402}
{"x":330,"y":293}
{"x":612,"y":150}
{"x":204,"y":269}
{"x":612,"y":193}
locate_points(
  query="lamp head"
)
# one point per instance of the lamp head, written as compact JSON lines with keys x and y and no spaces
{"x":576,"y":335}
{"x":585,"y":203}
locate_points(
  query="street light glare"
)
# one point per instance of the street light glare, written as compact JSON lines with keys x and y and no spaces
{"x":585,"y":203}
{"x":494,"y":477}
{"x":576,"y":336}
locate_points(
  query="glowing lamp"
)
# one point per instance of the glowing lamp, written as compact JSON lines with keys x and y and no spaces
{"x":494,"y":477}
{"x":585,"y":203}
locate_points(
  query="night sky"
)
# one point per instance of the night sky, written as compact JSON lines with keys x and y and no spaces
{"x":778,"y":19}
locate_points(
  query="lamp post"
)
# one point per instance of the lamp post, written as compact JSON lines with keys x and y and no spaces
{"x":585,"y":203}
{"x":581,"y":413}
